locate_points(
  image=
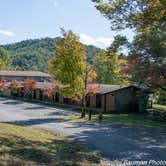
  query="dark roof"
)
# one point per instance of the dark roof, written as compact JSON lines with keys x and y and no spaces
{"x":103,"y":88}
{"x":24,"y":73}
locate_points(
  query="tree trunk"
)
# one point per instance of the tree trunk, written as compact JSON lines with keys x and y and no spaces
{"x":84,"y":96}
{"x":84,"y":108}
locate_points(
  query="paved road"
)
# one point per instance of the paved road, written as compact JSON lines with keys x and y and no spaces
{"x":112,"y":141}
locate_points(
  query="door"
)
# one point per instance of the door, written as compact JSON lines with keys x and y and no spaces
{"x":98,"y":101}
{"x":110,"y":102}
{"x":57,"y":97}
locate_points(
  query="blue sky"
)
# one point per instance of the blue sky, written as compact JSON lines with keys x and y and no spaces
{"x":30,"y":19}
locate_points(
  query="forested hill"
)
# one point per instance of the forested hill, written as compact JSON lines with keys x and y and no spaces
{"x":33,"y":54}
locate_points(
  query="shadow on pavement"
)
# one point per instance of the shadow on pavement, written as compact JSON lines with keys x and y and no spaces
{"x":35,"y":108}
{"x":123,"y":142}
{"x":12,"y":102}
{"x":2,"y":99}
{"x":30,"y":122}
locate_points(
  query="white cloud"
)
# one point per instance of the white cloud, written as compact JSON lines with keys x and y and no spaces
{"x":87,"y":39}
{"x":6,"y":32}
{"x":105,"y":41}
{"x":56,"y":4}
{"x":100,"y":41}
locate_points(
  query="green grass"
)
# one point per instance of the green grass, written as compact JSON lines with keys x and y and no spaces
{"x":123,"y":118}
{"x":160,"y":107}
{"x":25,"y":146}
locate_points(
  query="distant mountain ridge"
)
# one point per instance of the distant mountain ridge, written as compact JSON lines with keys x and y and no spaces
{"x":33,"y":54}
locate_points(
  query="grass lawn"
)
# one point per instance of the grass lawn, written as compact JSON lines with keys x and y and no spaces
{"x":125,"y":118}
{"x":160,"y":107}
{"x":25,"y":146}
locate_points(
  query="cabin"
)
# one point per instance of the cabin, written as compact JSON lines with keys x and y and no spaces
{"x":42,"y":80}
{"x":108,"y":98}
{"x":119,"y":98}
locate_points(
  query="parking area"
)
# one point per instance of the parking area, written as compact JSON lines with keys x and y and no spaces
{"x":113,"y":141}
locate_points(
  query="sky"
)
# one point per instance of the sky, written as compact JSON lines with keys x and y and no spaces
{"x":32,"y":19}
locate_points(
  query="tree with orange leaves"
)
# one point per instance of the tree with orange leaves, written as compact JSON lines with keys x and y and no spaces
{"x":50,"y":91}
{"x":29,"y":85}
{"x":2,"y":85}
{"x":14,"y":85}
{"x":92,"y":89}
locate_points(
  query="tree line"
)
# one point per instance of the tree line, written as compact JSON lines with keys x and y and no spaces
{"x":34,"y":53}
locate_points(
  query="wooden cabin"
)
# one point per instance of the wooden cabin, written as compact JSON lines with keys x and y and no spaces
{"x":118,"y":98}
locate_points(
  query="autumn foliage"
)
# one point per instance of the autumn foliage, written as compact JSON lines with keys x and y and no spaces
{"x":2,"y":85}
{"x":29,"y":85}
{"x":49,"y":91}
{"x":92,"y":89}
{"x":15,"y":84}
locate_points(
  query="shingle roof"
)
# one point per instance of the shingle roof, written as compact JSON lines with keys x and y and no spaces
{"x":103,"y":88}
{"x":24,"y":73}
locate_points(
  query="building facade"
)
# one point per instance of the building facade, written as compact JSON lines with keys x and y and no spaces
{"x":116,"y":98}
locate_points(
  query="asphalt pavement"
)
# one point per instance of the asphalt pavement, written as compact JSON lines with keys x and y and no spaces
{"x":112,"y":141}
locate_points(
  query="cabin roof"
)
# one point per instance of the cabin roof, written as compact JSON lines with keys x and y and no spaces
{"x":24,"y":74}
{"x":103,"y":88}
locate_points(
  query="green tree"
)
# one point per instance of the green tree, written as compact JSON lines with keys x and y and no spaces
{"x":4,"y":59}
{"x":34,"y":53}
{"x":18,"y":68}
{"x":160,"y":97}
{"x":70,"y":67}
{"x":137,"y":14}
{"x":147,"y":57}
{"x":108,"y":67}
{"x":120,"y":42}
{"x":109,"y":62}
{"x":69,"y":64}
{"x":147,"y":60}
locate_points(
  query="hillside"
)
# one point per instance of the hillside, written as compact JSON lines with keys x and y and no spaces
{"x":33,"y":54}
